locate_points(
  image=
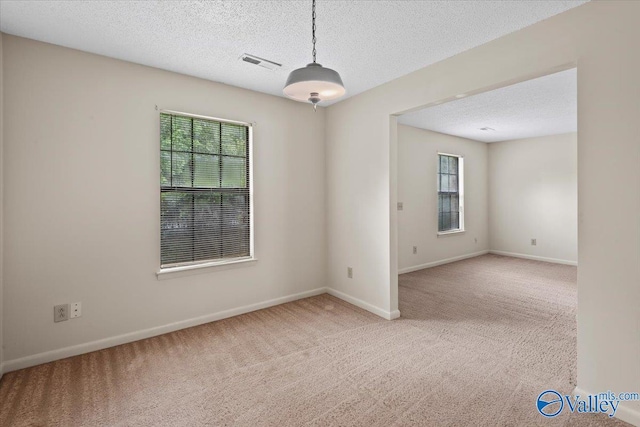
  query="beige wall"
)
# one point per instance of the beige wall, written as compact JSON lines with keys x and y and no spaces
{"x":514,"y":191}
{"x":82,"y":211}
{"x":601,"y":38}
{"x":70,"y":117}
{"x":418,"y":220}
{"x":533,"y":194}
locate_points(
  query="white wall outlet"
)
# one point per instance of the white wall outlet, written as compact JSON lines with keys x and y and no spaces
{"x":76,"y":310}
{"x":534,"y":242}
{"x":415,"y":250}
{"x":61,"y":312}
{"x":400,"y":206}
{"x":350,"y":272}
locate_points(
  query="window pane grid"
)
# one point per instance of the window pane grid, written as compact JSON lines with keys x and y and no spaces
{"x":448,"y":193}
{"x":199,"y":152}
{"x":205,"y":197}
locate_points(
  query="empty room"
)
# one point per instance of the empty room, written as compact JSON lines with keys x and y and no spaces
{"x":487,"y":232}
{"x":314,"y":212}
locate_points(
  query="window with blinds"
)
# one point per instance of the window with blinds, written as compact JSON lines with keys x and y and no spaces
{"x":450,"y":212}
{"x":205,"y":206}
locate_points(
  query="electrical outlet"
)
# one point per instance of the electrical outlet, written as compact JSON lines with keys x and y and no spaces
{"x":415,"y":250}
{"x":400,"y":206}
{"x":534,"y":242}
{"x":76,"y":310}
{"x":350,"y":272}
{"x":61,"y":313}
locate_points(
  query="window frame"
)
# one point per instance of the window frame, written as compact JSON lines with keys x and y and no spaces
{"x":211,"y":263}
{"x":461,"y":212}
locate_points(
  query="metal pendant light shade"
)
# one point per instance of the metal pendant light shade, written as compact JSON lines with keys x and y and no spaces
{"x":325,"y":83}
{"x":314,"y":83}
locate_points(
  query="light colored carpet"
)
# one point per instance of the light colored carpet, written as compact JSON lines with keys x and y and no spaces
{"x":478,"y":341}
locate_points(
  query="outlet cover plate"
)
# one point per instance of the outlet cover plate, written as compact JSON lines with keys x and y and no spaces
{"x":76,"y":310}
{"x":60,"y":313}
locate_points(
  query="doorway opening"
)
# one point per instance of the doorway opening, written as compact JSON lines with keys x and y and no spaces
{"x":487,"y":224}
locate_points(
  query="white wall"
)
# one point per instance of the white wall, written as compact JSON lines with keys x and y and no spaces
{"x":601,"y":38}
{"x":417,"y":190}
{"x":82,"y":212}
{"x":514,"y":191}
{"x":112,"y":263}
{"x":533,"y":192}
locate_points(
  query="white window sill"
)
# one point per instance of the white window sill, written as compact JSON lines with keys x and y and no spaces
{"x":450,"y":233}
{"x":188,"y":270}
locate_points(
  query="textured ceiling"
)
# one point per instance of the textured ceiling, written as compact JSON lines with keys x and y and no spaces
{"x":539,"y":107}
{"x":368,"y":42}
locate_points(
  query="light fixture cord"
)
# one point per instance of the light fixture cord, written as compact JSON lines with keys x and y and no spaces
{"x":313,"y":28}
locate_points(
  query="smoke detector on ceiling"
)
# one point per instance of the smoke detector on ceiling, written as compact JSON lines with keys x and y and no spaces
{"x":261,"y":62}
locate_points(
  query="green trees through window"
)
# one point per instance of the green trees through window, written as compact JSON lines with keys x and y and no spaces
{"x":204,"y":181}
{"x":448,"y":193}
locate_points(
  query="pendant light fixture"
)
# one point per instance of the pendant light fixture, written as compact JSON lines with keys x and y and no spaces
{"x":314,"y":83}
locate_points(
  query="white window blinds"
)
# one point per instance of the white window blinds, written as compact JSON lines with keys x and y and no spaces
{"x":450,"y":212}
{"x":205,"y":205}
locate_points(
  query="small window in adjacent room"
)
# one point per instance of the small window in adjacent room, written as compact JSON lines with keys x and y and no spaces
{"x":205,"y":194}
{"x":450,"y":193}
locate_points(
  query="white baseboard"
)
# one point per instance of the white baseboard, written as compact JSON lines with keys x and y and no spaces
{"x":627,"y":414}
{"x":624,"y":412}
{"x":61,"y":353}
{"x":389,"y":315}
{"x":535,"y":258}
{"x":441,"y":262}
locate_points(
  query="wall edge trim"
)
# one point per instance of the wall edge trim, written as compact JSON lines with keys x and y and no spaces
{"x":624,"y":412}
{"x":88,"y":347}
{"x":534,"y":257}
{"x":442,"y":261}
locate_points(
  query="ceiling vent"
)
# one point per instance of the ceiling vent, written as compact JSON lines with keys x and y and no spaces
{"x":260,"y":62}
